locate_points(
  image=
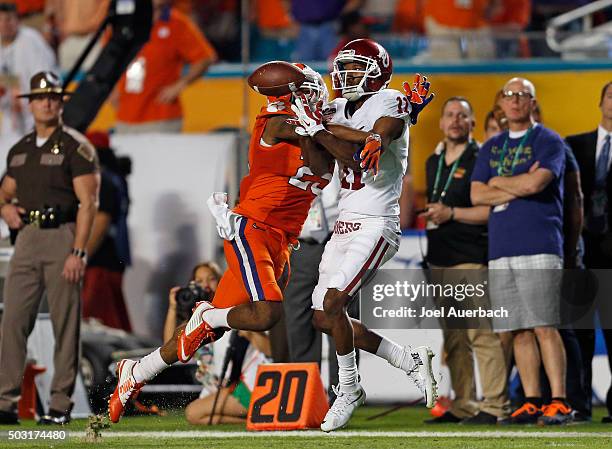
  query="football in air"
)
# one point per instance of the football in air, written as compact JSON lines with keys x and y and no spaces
{"x":276,"y":78}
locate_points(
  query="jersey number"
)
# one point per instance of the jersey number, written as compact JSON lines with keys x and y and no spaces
{"x":403,"y":105}
{"x":305,"y":179}
{"x":351,"y":180}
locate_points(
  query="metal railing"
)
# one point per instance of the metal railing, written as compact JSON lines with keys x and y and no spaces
{"x":584,"y":13}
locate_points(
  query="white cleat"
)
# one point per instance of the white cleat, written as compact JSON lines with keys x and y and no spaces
{"x":423,"y":369}
{"x":196,"y":333}
{"x":126,"y":388}
{"x":342,"y":409}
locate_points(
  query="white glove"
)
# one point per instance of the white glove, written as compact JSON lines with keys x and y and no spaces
{"x":310,"y":118}
{"x":225,"y":218}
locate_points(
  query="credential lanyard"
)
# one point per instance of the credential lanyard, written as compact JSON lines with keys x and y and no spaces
{"x":439,"y":175}
{"x":517,"y":155}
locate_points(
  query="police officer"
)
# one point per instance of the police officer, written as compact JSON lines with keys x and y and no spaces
{"x":50,"y":194}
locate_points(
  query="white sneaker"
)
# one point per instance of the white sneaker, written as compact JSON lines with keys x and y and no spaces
{"x":424,"y":378}
{"x":342,"y":408}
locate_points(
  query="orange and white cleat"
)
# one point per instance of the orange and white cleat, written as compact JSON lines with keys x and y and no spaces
{"x":197,"y":333}
{"x":126,"y":388}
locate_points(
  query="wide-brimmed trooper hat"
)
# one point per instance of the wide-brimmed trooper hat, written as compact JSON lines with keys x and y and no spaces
{"x":45,"y":83}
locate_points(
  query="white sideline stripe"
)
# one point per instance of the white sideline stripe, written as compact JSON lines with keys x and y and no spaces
{"x":345,"y":434}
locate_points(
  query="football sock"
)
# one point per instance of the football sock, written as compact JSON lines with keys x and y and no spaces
{"x":217,"y":317}
{"x":347,"y":372}
{"x":149,"y":366}
{"x":395,"y":354}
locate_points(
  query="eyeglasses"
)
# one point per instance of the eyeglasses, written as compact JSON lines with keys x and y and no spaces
{"x":508,"y":94}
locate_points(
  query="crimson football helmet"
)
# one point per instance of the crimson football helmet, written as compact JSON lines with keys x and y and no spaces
{"x":375,"y":74}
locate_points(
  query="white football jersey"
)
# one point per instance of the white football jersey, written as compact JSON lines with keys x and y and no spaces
{"x":362,"y":193}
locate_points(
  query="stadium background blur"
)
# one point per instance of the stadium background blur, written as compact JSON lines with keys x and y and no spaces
{"x":568,"y":82}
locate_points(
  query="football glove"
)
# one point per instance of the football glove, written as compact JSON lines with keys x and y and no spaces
{"x":417,"y":95}
{"x":369,"y":155}
{"x":310,"y":118}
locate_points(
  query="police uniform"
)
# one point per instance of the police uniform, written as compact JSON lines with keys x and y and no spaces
{"x":44,"y":177}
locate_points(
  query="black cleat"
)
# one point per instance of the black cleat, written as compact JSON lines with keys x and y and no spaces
{"x":55,"y":417}
{"x":8,"y":418}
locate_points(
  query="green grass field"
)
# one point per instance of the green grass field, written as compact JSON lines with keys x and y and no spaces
{"x":402,"y":428}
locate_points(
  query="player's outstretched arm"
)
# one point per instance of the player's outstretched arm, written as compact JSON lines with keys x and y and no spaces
{"x":346,"y":133}
{"x":278,"y":129}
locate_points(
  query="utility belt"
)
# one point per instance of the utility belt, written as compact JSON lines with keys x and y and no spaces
{"x":48,"y":217}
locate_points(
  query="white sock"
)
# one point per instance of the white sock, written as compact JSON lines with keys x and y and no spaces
{"x":149,"y":366}
{"x":347,"y":371}
{"x":395,"y":354}
{"x":217,"y":317}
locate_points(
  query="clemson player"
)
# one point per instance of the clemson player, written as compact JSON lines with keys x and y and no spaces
{"x":274,"y":201}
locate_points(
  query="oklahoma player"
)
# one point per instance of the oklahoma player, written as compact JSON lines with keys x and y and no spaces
{"x":366,"y":234}
{"x":274,"y":201}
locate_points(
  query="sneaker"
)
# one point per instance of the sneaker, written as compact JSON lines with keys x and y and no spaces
{"x":481,"y":419}
{"x":606,"y":420}
{"x":423,"y":370}
{"x":126,"y":387}
{"x":446,"y":418}
{"x":342,"y":409}
{"x":528,"y":413}
{"x":8,"y":418}
{"x":196,"y":333}
{"x":55,"y":417}
{"x":555,"y":413}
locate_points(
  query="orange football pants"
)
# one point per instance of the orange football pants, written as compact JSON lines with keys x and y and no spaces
{"x":256,"y":259}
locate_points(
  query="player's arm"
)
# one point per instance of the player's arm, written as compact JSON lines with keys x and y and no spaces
{"x":340,"y":149}
{"x":277,"y":129}
{"x":315,"y":157}
{"x":347,"y":133}
{"x":482,"y":194}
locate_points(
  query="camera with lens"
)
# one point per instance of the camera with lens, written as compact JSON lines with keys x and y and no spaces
{"x":186,"y":299}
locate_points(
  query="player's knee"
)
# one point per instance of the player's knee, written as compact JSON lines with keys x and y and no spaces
{"x":272,"y":314}
{"x":319,"y":321}
{"x":334,"y":303}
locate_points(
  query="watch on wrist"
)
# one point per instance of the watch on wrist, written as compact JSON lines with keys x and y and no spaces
{"x":81,"y":253}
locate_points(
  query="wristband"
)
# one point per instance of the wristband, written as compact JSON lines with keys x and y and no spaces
{"x":81,"y":253}
{"x":452,"y":217}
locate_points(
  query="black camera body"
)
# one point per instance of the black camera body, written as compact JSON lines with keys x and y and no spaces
{"x":186,"y":299}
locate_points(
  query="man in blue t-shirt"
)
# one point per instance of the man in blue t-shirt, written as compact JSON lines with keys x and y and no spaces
{"x":519,"y":174}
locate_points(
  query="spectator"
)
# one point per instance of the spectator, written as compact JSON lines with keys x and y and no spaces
{"x":206,"y":275}
{"x":520,"y":173}
{"x":456,"y":240}
{"x":408,"y":16}
{"x":317,"y":20}
{"x":273,"y":19}
{"x":220,"y":20}
{"x":592,"y":150}
{"x":23,"y":53}
{"x":352,"y":26}
{"x":31,"y":13}
{"x":102,"y":292}
{"x":458,"y":30}
{"x":491,"y":127}
{"x":508,"y":21}
{"x":148,"y":92}
{"x":70,"y":26}
{"x":251,"y":350}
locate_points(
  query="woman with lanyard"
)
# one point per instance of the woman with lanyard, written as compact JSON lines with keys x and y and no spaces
{"x":457,"y":252}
